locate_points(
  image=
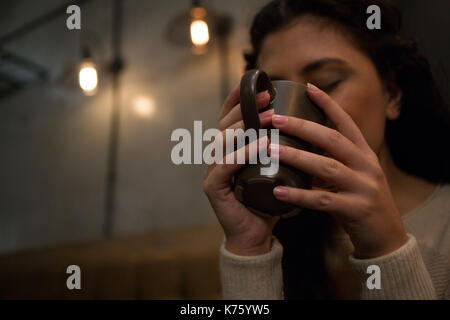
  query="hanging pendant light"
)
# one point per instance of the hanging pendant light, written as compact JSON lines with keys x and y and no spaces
{"x":199,"y":29}
{"x":88,"y":75}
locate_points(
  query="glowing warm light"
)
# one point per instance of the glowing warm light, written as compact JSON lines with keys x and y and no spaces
{"x":88,"y":78}
{"x":199,"y":32}
{"x":144,"y":106}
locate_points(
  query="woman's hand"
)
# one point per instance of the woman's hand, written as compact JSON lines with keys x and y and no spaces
{"x":363,"y":204}
{"x":246,"y":233}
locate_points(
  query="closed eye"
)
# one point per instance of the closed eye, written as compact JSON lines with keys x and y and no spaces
{"x":330,"y":86}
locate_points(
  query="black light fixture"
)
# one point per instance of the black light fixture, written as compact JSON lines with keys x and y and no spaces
{"x":116,"y":68}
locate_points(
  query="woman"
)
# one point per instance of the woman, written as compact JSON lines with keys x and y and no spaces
{"x":386,"y":157}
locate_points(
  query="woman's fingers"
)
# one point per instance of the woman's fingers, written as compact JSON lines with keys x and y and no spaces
{"x":332,"y":141}
{"x":324,"y":168}
{"x":234,"y":115}
{"x":341,"y":119}
{"x":238,"y":129}
{"x":221,"y":173}
{"x":231,"y":100}
{"x":334,"y":203}
{"x":265,"y":119}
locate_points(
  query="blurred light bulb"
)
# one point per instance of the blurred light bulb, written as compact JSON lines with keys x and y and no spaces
{"x":144,"y":106}
{"x":88,"y":78}
{"x":199,"y":32}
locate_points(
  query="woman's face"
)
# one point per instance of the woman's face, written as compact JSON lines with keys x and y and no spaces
{"x":306,"y":52}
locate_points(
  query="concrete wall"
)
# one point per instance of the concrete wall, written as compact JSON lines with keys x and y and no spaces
{"x":53,"y":140}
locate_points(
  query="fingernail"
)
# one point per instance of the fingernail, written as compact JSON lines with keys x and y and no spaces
{"x":280,"y":192}
{"x":266,"y":115}
{"x":279,"y":120}
{"x":312,"y":87}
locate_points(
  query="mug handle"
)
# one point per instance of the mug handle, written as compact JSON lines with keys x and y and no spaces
{"x":253,"y":82}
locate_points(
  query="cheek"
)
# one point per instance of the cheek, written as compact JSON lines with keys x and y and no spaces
{"x":368,"y":113}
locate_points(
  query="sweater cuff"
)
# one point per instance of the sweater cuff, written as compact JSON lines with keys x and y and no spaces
{"x":252,"y":277}
{"x":403,"y":275}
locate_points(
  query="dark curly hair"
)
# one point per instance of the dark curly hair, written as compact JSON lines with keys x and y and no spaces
{"x":416,"y":139}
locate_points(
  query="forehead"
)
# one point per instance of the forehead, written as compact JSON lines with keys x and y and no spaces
{"x":304,"y":41}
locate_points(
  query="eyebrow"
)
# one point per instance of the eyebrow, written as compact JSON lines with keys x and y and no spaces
{"x":315,"y":66}
{"x":320,"y":63}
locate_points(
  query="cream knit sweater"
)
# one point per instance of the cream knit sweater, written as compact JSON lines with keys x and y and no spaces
{"x":418,"y":270}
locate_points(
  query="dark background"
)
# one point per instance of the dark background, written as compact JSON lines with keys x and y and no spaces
{"x":429,"y":23}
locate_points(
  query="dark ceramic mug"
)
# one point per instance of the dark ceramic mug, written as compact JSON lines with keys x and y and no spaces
{"x":288,"y":98}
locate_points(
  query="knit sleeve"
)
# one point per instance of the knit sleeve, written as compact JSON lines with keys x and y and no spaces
{"x":403,"y":275}
{"x":252,"y":277}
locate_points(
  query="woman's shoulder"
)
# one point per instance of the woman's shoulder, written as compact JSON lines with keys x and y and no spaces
{"x":438,"y":203}
{"x":439,"y":206}
{"x":430,"y":223}
{"x":442,"y":196}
